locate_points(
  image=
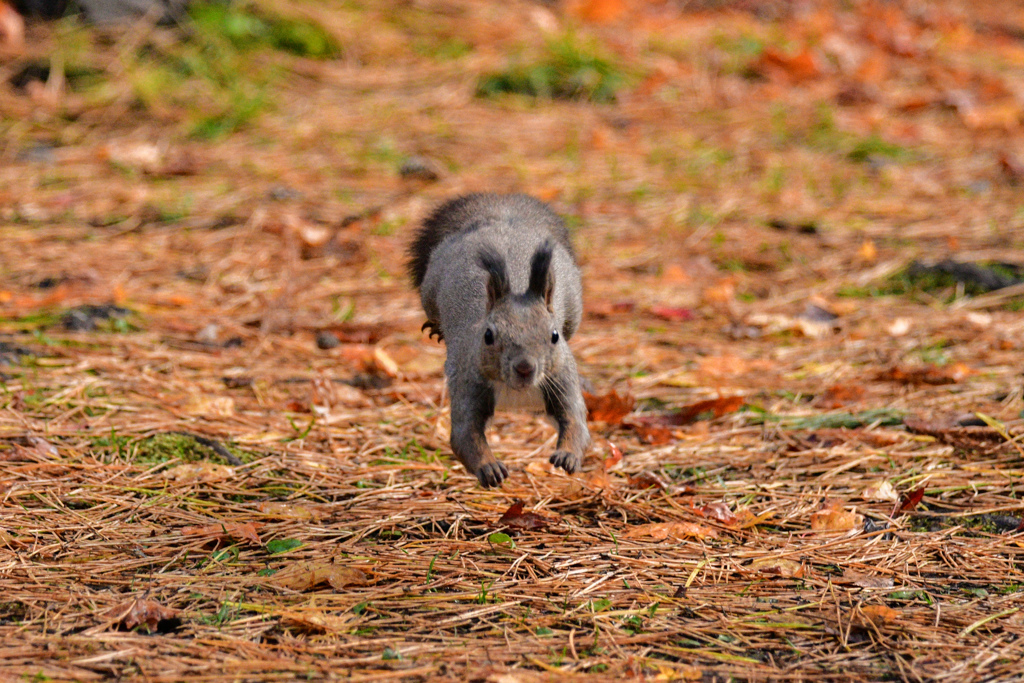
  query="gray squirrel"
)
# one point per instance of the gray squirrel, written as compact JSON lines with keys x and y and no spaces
{"x":499,"y":283}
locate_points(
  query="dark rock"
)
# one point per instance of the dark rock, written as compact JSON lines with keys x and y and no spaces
{"x":11,"y":354}
{"x":326,"y":340}
{"x":418,"y":168}
{"x":83,"y":318}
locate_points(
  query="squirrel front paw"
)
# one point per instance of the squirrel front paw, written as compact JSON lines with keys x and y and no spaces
{"x":435,"y":330}
{"x":570,"y":462}
{"x":491,"y":474}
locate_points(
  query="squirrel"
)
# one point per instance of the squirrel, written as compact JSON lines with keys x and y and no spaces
{"x":499,"y":283}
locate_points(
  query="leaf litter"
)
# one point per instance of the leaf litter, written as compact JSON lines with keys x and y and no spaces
{"x":745,"y":198}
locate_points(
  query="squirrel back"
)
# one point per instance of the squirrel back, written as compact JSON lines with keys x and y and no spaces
{"x":472,"y":211}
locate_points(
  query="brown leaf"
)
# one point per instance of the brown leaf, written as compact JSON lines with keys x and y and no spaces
{"x":671,"y":313}
{"x":610,"y":407}
{"x":852,"y":578}
{"x":673,"y":530}
{"x":838,"y":395}
{"x":712,"y":408}
{"x":290,"y":511}
{"x":303,"y":576}
{"x":247,"y":531}
{"x":909,"y":501}
{"x":146,"y":613}
{"x":647,"y":480}
{"x":1012,"y":166}
{"x":516,"y":518}
{"x":778,"y":566}
{"x":654,"y":435}
{"x":316,"y":622}
{"x":719,"y":512}
{"x":832,"y":517}
{"x":927,"y":374}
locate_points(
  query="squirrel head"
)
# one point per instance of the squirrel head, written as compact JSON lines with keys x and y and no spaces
{"x":520,"y":336}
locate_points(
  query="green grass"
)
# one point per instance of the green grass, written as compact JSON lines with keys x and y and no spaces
{"x":568,"y":68}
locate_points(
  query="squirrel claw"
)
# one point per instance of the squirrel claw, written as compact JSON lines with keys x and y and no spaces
{"x":435,"y":330}
{"x":492,"y":474}
{"x":569,"y":462}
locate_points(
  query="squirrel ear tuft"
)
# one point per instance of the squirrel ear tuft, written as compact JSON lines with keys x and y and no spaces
{"x":497,"y":279}
{"x":542,"y":277}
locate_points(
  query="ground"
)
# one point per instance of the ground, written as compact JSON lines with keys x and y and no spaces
{"x":223,"y":436}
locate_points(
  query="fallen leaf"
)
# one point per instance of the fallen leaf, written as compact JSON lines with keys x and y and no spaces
{"x":597,"y":11}
{"x":647,"y":480}
{"x":1012,"y":166}
{"x":146,"y":613}
{"x":927,"y":374}
{"x":867,"y":252}
{"x":709,"y":409}
{"x":247,"y":531}
{"x":798,"y":66}
{"x":654,"y":435}
{"x":852,"y":578}
{"x":882,"y":490}
{"x":516,"y":518}
{"x":832,"y":517}
{"x":316,"y":622}
{"x":303,"y":576}
{"x":672,"y":314}
{"x":673,"y":530}
{"x":290,"y":511}
{"x":746,"y":519}
{"x":839,"y":395}
{"x":614,"y":457}
{"x":788,"y":569}
{"x":719,"y":512}
{"x":609,"y":408}
{"x":909,"y":501}
{"x":878,"y":615}
{"x":206,"y":472}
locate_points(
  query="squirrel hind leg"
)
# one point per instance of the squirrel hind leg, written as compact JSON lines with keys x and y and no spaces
{"x":435,"y":330}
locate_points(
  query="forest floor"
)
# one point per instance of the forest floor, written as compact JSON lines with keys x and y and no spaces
{"x":801,"y":232}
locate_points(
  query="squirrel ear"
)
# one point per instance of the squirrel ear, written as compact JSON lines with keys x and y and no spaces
{"x":497,"y":279}
{"x":542,"y":278}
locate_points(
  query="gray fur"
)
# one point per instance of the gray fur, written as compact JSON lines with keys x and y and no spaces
{"x":504,"y":263}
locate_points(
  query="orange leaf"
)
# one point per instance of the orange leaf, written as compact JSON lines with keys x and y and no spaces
{"x":673,"y":530}
{"x":597,"y":11}
{"x":928,"y":374}
{"x":614,"y":458}
{"x":610,"y":407}
{"x":832,"y":517}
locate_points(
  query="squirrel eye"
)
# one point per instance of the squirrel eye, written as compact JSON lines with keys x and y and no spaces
{"x":489,"y":337}
{"x":554,"y":336}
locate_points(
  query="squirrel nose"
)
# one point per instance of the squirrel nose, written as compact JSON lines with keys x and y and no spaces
{"x":524,"y":369}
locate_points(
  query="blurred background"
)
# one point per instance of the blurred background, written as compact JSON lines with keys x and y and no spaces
{"x":236,"y":169}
